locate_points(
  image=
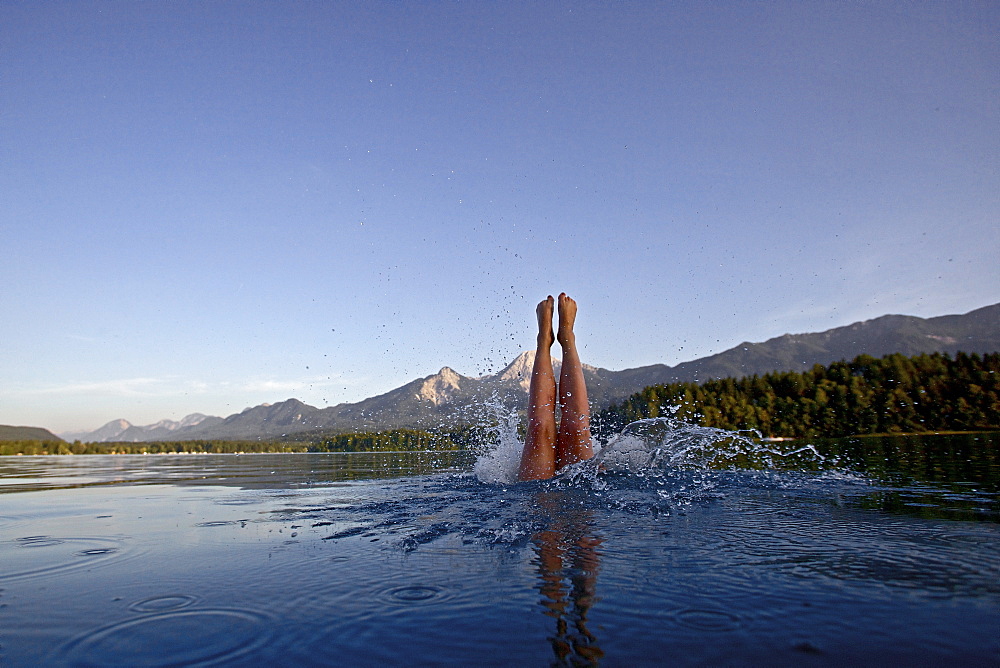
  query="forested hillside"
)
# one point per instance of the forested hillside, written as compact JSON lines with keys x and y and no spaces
{"x":10,"y":433}
{"x":934,"y":392}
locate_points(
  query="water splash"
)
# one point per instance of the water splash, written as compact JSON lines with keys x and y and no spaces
{"x":669,"y":443}
{"x":648,"y":447}
{"x":499,"y":453}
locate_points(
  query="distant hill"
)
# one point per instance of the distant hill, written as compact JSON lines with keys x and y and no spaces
{"x":8,"y":433}
{"x":974,"y":332}
{"x":448,"y":398}
{"x":123,"y":431}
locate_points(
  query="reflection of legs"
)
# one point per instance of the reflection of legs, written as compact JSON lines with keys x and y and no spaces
{"x":551,"y":548}
{"x":573,"y":443}
{"x":568,"y":561}
{"x":584,"y":562}
{"x":538,"y":460}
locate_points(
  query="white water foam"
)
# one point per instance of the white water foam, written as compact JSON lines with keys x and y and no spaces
{"x":642,"y":448}
{"x":498,"y":462}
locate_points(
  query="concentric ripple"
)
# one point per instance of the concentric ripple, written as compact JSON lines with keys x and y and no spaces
{"x":707,"y":620}
{"x":164,"y":603}
{"x":417,"y":593}
{"x":181,"y":638}
{"x":33,"y":556}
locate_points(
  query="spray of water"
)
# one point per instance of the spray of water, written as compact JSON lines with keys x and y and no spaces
{"x":648,"y":447}
{"x":666,"y":442}
{"x":499,"y":454}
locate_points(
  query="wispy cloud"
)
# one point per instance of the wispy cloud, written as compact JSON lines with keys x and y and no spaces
{"x":162,"y":386}
{"x":125,"y":387}
{"x":265,"y":385}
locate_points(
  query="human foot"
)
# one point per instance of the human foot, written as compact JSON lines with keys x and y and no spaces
{"x":544,"y":313}
{"x":567,"y":317}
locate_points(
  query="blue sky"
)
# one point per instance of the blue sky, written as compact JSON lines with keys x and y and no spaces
{"x":207,"y":206}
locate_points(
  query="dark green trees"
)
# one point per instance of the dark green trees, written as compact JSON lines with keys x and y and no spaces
{"x":893,"y":394}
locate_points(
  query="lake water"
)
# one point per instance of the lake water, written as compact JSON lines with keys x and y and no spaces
{"x":648,"y":555}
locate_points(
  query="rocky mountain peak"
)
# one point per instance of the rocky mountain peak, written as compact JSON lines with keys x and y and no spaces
{"x":441,"y":387}
{"x":193,"y":419}
{"x":519,"y":371}
{"x":112,"y":430}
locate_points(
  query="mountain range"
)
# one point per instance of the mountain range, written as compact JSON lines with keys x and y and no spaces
{"x":123,"y":431}
{"x":448,"y":398}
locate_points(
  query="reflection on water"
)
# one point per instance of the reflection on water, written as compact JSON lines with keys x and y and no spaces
{"x":644,"y":556}
{"x":264,"y":471}
{"x":947,"y":459}
{"x":568,"y":563}
{"x":947,"y":476}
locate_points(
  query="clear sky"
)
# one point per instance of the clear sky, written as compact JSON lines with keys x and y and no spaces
{"x":209,"y":205}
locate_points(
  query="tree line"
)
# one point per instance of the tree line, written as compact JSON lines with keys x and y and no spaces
{"x":893,"y":394}
{"x":396,"y":439}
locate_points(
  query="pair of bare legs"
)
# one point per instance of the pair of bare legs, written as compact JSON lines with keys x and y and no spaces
{"x":546,"y":448}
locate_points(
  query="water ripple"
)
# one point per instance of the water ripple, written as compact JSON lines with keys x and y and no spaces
{"x":164,"y":603}
{"x":186,"y":637}
{"x":707,"y":620}
{"x":34,"y":556}
{"x":416,"y":594}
